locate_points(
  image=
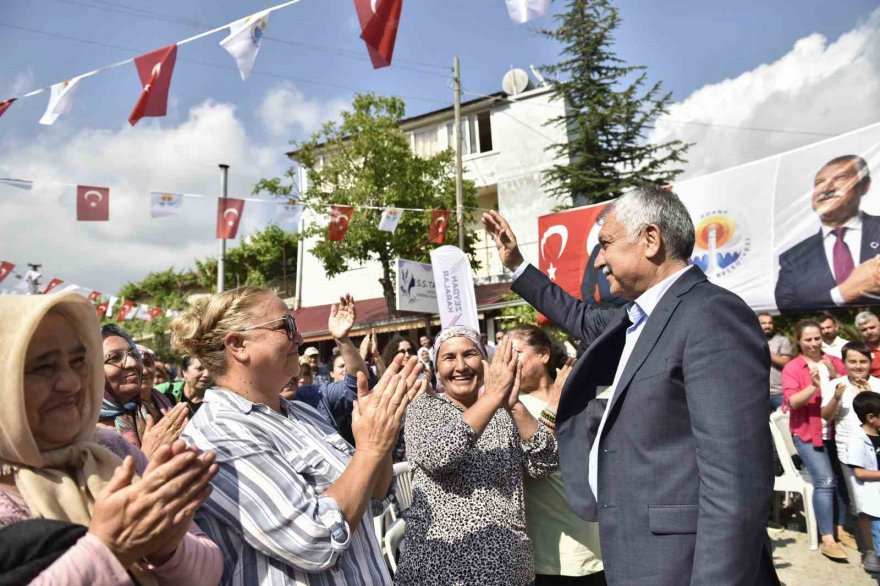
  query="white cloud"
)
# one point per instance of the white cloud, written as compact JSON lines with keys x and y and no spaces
{"x":817,"y":87}
{"x":286,"y":112}
{"x":40,"y":226}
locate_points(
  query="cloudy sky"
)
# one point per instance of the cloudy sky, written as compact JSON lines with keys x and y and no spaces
{"x":750,"y":78}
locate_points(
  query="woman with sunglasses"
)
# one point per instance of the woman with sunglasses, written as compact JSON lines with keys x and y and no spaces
{"x":396,"y":346}
{"x":291,"y":498}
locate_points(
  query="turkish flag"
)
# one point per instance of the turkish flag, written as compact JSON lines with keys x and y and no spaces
{"x":5,"y":269}
{"x":101,"y":309}
{"x":94,"y":296}
{"x":439,"y":223}
{"x":568,"y":244}
{"x":155,"y":312}
{"x":155,"y":71}
{"x":4,"y":105}
{"x":92,"y":203}
{"x":340,"y":216}
{"x":52,"y":284}
{"x":124,"y":310}
{"x":229,"y":212}
{"x":379,"y":21}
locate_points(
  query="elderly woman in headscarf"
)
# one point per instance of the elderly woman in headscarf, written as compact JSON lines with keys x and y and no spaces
{"x":154,"y":405}
{"x":470,"y":453}
{"x":122,"y":408}
{"x":69,"y":507}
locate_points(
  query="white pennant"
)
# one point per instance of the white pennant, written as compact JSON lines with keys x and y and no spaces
{"x":289,"y":215}
{"x":390,"y":219}
{"x":522,"y":11}
{"x":60,"y":100}
{"x":110,"y":305}
{"x":165,"y":204}
{"x":244,"y":39}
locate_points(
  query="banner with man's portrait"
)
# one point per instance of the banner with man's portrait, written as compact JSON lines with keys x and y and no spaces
{"x":799,"y":231}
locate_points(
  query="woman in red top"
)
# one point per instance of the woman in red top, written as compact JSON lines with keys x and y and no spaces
{"x":802,"y":379}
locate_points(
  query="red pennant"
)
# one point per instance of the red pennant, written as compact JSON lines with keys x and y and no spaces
{"x":340,"y":216}
{"x":4,"y":105}
{"x":123,"y":311}
{"x":229,"y":212}
{"x":94,"y":296}
{"x":155,"y":70}
{"x":101,"y":310}
{"x":92,"y":203}
{"x":5,"y":269}
{"x":52,"y":284}
{"x":379,"y":28}
{"x":155,"y":312}
{"x":439,"y":223}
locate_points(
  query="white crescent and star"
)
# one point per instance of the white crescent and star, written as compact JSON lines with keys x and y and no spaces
{"x":229,"y":220}
{"x":93,"y":192}
{"x":373,"y":5}
{"x":556,"y":230}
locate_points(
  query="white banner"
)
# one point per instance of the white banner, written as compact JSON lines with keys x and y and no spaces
{"x":415,"y":287}
{"x":455,"y":288}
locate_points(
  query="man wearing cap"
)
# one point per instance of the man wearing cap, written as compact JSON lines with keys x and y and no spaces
{"x":321,"y":372}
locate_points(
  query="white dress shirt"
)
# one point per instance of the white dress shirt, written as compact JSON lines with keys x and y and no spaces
{"x":639,"y":312}
{"x":853,"y":239}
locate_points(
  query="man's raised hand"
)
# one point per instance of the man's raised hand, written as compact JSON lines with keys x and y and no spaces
{"x":342,"y":317}
{"x":505,"y":239}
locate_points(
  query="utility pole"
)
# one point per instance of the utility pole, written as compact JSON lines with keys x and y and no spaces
{"x":456,"y":134}
{"x":221,"y":262}
{"x":35,"y":284}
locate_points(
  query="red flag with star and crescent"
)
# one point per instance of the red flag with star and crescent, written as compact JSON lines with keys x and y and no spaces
{"x":101,"y":310}
{"x":379,"y":22}
{"x":567,"y":246}
{"x":52,"y":284}
{"x":94,"y":296}
{"x":155,"y":312}
{"x":5,"y":269}
{"x":340,"y":216}
{"x":4,"y":105}
{"x":122,"y":315}
{"x":229,"y":212}
{"x":437,"y":228}
{"x":155,"y":70}
{"x":92,"y":203}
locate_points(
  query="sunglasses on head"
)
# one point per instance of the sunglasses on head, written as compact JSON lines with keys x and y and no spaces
{"x":288,"y":325}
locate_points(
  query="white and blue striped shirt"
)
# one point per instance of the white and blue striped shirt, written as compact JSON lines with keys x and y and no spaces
{"x":267,"y":512}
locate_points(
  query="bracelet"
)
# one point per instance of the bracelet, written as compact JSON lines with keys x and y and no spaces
{"x":548,"y":424}
{"x":548,"y":415}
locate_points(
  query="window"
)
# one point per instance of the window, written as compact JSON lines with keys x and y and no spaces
{"x":476,"y":134}
{"x":424,"y":142}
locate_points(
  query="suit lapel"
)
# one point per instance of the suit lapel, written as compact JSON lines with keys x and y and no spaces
{"x":870,"y":237}
{"x":654,"y":328}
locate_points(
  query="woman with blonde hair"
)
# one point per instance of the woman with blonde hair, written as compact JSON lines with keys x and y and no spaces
{"x":291,"y":499}
{"x":59,"y":473}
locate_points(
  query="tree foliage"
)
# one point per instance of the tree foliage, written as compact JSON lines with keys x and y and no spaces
{"x":610,"y":109}
{"x":366,"y":160}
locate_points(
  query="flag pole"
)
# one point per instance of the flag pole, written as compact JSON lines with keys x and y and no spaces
{"x":459,"y":211}
{"x":221,"y":261}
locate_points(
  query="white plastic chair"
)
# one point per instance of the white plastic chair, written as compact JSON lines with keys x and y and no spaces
{"x":382,"y":521}
{"x":394,"y":543}
{"x":403,"y":474}
{"x":791,"y":479}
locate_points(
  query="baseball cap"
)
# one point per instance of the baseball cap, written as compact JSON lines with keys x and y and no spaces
{"x":311,"y":351}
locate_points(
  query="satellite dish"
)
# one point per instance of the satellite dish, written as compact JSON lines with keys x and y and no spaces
{"x":516,"y":81}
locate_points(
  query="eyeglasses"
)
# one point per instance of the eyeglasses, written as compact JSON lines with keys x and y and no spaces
{"x":406,"y":351}
{"x":288,"y":325}
{"x":118,"y":357}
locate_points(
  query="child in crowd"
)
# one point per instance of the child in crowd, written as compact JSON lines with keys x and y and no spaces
{"x":863,"y":452}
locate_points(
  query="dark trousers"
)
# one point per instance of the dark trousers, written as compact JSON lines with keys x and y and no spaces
{"x":597,"y":579}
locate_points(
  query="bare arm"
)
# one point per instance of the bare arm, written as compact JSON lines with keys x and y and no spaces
{"x":829,"y":410}
{"x":340,"y":322}
{"x":779,"y":360}
{"x":864,"y":474}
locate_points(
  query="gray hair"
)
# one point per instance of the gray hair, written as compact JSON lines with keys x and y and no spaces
{"x":111,"y":330}
{"x":863,"y":317}
{"x":862,"y":169}
{"x":654,"y":205}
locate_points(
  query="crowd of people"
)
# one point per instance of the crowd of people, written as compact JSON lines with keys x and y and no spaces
{"x":831,"y":392}
{"x":253,"y":461}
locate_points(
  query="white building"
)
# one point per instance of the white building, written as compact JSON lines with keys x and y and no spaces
{"x":506,"y":139}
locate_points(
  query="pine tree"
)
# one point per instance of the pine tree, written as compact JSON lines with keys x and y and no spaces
{"x":608,"y":112}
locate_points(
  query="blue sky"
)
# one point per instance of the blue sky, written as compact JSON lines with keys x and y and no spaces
{"x":712,"y":56}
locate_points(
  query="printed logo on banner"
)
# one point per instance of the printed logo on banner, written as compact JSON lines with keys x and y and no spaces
{"x":721,"y":243}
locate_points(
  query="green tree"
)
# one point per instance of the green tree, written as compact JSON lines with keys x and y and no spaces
{"x":609,"y":112}
{"x":366,"y":160}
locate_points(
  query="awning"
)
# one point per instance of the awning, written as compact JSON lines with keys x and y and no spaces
{"x":372,"y":314}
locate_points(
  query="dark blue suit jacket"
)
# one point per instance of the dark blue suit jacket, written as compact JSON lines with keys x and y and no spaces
{"x":805,"y":279}
{"x":685,"y":462}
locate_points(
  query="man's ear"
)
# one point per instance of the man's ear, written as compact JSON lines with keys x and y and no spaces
{"x":653,"y":242}
{"x":235,"y":345}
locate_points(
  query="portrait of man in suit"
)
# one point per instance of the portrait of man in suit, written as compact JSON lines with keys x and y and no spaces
{"x":678,"y":467}
{"x":839,"y":264}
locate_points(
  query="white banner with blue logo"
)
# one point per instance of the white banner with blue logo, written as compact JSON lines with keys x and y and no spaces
{"x":415,"y":287}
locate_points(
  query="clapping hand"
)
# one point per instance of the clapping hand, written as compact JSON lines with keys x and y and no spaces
{"x":559,"y":383}
{"x":342,"y":317}
{"x":166,"y":431}
{"x":502,"y":375}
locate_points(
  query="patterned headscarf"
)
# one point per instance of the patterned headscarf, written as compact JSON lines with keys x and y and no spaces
{"x":460,"y":331}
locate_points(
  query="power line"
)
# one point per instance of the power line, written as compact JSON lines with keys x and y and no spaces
{"x":210,"y":64}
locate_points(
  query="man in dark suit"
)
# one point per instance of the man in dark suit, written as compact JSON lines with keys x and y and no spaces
{"x":678,"y":469}
{"x":839,"y":264}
